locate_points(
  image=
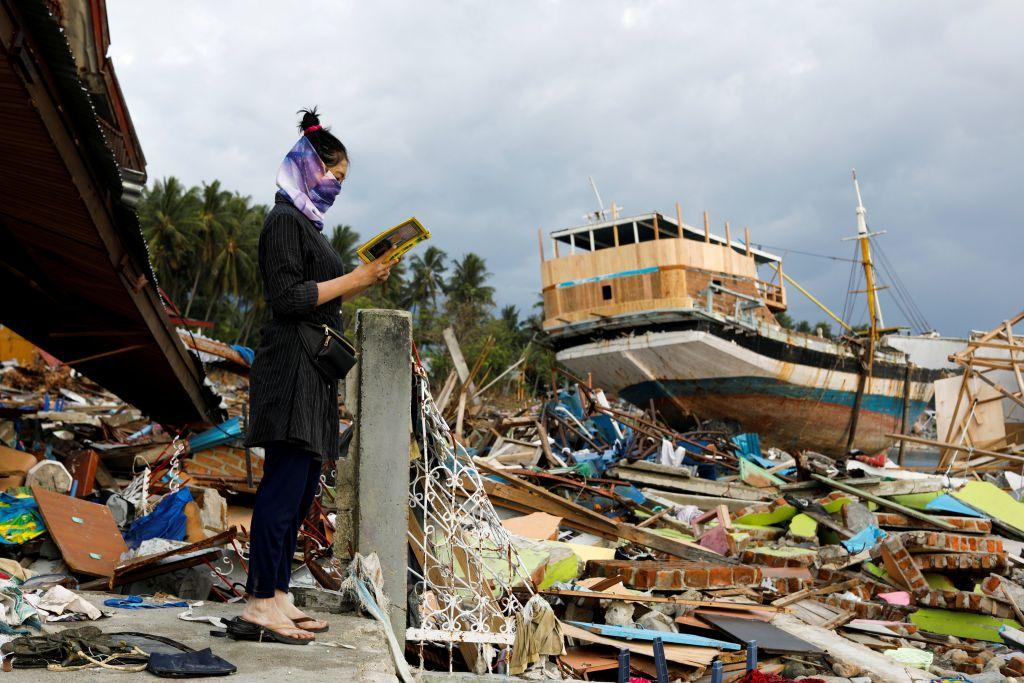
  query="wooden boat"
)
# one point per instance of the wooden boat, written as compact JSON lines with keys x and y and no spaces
{"x":664,"y":314}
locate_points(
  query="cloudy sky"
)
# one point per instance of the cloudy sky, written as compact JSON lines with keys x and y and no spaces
{"x":485,"y":119}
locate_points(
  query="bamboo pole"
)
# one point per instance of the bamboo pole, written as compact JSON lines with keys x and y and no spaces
{"x":707,"y":229}
{"x":679,"y":219}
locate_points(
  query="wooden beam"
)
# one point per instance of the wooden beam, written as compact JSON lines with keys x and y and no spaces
{"x":707,"y":229}
{"x":679,"y":219}
{"x":659,"y":599}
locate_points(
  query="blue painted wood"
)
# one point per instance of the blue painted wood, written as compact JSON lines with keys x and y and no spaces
{"x":648,"y":634}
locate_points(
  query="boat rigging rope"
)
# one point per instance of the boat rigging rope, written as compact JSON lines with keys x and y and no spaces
{"x":904,"y":301}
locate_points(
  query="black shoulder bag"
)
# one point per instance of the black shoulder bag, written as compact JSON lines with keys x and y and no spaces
{"x":331,"y":353}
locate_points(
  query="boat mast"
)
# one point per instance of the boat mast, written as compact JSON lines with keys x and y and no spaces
{"x":874,"y":305}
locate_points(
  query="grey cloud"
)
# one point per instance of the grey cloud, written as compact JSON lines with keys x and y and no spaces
{"x":484,"y":119}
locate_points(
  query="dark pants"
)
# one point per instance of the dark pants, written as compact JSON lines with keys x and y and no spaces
{"x":290,"y":479}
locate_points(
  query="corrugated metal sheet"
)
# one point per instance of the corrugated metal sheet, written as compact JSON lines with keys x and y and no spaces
{"x":75,"y":276}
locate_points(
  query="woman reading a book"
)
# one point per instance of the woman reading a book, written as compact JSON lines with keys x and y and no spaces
{"x":293,"y":411}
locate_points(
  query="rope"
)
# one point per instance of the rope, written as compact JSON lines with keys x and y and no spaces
{"x":102,"y":663}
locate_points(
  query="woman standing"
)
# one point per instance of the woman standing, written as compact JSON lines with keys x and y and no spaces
{"x":293,"y":411}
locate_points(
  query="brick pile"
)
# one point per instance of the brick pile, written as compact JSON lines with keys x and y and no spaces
{"x":675,"y":575}
{"x":223,"y":461}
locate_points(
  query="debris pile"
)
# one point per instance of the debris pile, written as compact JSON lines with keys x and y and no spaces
{"x":733,"y":552}
{"x":587,"y":536}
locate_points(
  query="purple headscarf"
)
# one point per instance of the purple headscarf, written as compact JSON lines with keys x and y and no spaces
{"x":305,"y":181}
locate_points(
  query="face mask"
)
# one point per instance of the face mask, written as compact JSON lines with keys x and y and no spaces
{"x":325,"y":191}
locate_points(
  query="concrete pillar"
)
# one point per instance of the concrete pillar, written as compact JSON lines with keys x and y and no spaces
{"x":346,"y":500}
{"x":384,"y":398}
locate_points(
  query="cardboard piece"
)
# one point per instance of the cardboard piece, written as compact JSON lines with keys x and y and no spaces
{"x":86,"y":534}
{"x":13,"y":467}
{"x":538,"y":525}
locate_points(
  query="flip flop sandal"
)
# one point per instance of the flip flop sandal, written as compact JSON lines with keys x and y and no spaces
{"x":299,"y":624}
{"x":240,"y":629}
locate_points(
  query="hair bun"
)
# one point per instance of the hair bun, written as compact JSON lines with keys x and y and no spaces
{"x":310,"y":117}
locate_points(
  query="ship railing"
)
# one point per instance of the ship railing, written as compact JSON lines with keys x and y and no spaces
{"x":743,"y":304}
{"x":770,"y":292}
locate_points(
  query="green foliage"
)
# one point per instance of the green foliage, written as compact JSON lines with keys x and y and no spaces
{"x":786,"y":321}
{"x":204,"y":245}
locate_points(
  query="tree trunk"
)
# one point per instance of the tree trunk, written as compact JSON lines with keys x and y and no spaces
{"x":209,"y":308}
{"x":192,"y":294}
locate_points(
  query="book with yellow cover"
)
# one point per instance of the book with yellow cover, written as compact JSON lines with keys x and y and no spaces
{"x":401,"y":237}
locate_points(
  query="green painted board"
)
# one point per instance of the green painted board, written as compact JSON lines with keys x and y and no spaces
{"x":916,"y":501}
{"x":803,"y":526}
{"x":672,"y":533}
{"x":784,"y":551}
{"x":874,"y":569}
{"x":939,"y":582}
{"x":777,"y":515}
{"x":993,"y":501}
{"x":960,"y":624}
{"x":834,"y":506}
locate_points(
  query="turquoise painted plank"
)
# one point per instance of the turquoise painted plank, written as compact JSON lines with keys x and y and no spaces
{"x":650,"y":634}
{"x":609,"y":276}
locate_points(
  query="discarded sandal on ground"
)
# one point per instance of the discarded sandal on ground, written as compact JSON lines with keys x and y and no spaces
{"x":240,"y":629}
{"x":305,"y":620}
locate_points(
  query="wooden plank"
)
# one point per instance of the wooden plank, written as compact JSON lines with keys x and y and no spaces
{"x":686,"y":655}
{"x":447,"y":391}
{"x":642,"y":473}
{"x":459,"y":360}
{"x":898,"y":487}
{"x":86,"y":533}
{"x":954,"y":447}
{"x":577,"y":516}
{"x":643,"y":598}
{"x":553,"y":459}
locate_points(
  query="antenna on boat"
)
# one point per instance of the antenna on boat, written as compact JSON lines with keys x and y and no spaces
{"x":599,"y":215}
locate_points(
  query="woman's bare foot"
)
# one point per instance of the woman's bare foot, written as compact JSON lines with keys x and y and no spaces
{"x":294,"y":614}
{"x":264,"y":611}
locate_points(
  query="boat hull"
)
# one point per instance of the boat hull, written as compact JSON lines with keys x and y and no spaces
{"x":798,"y":395}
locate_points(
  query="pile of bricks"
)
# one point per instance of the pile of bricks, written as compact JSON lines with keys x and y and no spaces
{"x":224,"y":461}
{"x":675,"y":575}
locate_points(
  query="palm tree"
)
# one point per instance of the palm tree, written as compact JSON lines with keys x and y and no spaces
{"x":168,"y":214}
{"x":208,"y":228}
{"x":233,"y":261}
{"x":344,"y":240}
{"x":509,"y":317}
{"x":467,"y":282}
{"x":427,"y":277}
{"x":391,"y":293}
